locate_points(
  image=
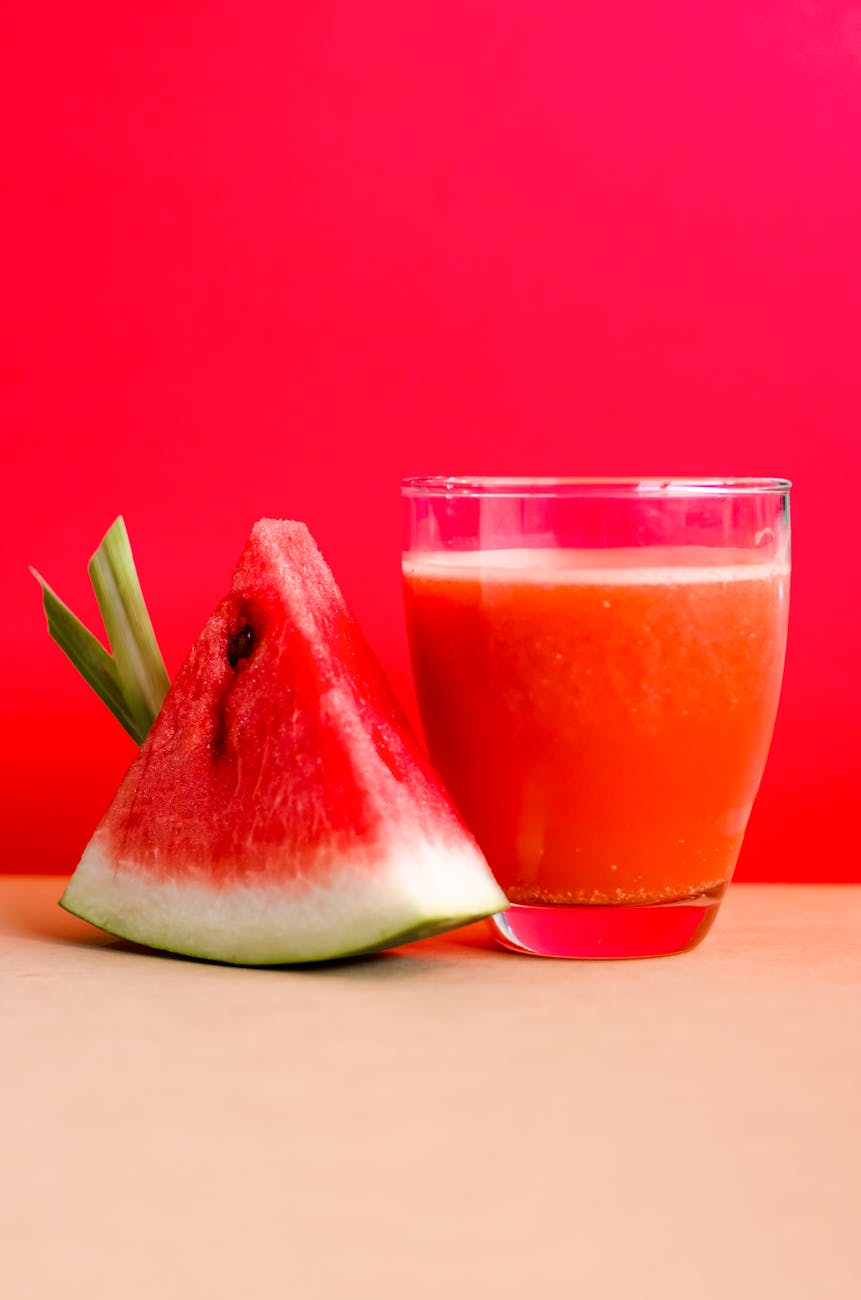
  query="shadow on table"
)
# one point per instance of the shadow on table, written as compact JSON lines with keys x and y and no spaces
{"x":29,"y":906}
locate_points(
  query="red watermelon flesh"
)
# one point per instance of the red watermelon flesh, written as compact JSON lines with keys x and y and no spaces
{"x":280,"y":809}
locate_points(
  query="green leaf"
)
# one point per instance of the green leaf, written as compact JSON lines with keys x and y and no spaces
{"x":132,"y":680}
{"x":140,"y":668}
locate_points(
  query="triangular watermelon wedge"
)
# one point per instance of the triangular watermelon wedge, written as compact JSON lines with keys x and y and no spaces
{"x":280,"y":809}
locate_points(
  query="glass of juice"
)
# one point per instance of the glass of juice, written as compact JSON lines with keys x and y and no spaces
{"x":598,"y":664}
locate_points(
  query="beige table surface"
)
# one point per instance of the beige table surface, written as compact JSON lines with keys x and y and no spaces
{"x":446,"y":1120}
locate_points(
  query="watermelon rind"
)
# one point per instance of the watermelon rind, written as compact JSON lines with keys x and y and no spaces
{"x":423,"y":890}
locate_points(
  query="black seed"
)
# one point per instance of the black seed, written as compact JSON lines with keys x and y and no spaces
{"x":240,"y":645}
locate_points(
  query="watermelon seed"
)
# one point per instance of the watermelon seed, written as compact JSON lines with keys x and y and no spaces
{"x":240,"y":645}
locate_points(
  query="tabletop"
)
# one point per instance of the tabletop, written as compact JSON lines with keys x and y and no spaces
{"x":444,"y":1120}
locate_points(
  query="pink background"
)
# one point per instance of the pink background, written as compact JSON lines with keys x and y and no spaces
{"x":266,"y":259}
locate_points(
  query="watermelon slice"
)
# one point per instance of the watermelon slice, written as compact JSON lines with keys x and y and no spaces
{"x":280,"y":809}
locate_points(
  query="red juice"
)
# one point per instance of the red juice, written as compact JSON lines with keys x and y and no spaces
{"x":601,"y":717}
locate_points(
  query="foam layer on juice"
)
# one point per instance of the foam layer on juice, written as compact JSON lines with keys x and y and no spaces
{"x":610,"y":566}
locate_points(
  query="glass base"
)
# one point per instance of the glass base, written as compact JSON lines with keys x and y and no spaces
{"x":607,"y":933}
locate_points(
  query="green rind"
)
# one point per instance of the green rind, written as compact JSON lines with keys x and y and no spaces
{"x":423,"y":930}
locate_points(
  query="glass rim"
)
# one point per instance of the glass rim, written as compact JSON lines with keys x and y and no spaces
{"x":440,"y":485}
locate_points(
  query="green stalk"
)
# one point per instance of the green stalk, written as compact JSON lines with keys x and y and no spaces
{"x":131,"y":680}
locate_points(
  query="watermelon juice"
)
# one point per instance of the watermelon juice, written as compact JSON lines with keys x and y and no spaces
{"x":602,"y":717}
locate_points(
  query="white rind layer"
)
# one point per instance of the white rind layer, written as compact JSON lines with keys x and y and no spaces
{"x":354,"y":904}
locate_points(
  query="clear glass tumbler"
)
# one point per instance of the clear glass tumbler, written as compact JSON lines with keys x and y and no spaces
{"x":598,"y":665}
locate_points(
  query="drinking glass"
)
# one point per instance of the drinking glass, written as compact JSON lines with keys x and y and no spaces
{"x":598,"y":664}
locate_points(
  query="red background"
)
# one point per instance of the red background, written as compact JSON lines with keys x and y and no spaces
{"x":267,"y":262}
